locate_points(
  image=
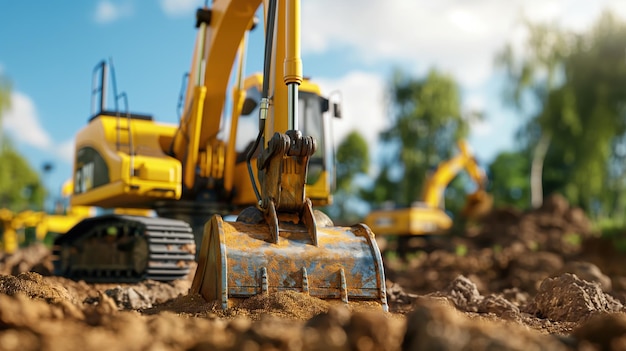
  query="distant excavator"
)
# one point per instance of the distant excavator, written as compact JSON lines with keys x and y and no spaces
{"x":41,"y":226}
{"x":428,"y":216}
{"x":193,"y":173}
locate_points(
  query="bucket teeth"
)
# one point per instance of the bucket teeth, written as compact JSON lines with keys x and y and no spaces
{"x":305,"y":281}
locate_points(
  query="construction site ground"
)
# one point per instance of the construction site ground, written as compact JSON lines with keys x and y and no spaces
{"x":538,"y":280}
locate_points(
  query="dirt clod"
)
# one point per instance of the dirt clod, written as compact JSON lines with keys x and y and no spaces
{"x":568,"y":298}
{"x":128,"y":298}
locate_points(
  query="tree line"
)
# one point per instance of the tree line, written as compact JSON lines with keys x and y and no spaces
{"x":21,"y":187}
{"x":568,"y":89}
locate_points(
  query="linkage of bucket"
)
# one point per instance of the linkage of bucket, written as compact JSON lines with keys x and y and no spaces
{"x":283,"y":168}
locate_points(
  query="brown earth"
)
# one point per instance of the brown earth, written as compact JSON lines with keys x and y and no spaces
{"x":539,"y":280}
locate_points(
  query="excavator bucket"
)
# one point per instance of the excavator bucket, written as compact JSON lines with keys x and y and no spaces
{"x":241,"y":260}
{"x":478,"y":204}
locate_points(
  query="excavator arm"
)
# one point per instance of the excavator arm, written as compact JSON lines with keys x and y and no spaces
{"x":478,"y":202}
{"x":437,"y":183}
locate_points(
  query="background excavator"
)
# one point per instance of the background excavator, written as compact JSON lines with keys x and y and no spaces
{"x":194,"y":173}
{"x":27,"y":227}
{"x":428,"y":216}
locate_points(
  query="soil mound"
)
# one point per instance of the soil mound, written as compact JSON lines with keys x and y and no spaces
{"x":521,"y":274}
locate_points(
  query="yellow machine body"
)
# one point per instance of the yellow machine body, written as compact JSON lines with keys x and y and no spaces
{"x":62,"y":223}
{"x":41,"y":223}
{"x":107,"y":174}
{"x":428,"y":215}
{"x":415,"y":220}
{"x":10,"y":241}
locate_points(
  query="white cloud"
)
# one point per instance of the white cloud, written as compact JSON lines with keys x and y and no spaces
{"x":362,"y":106}
{"x":107,"y":11}
{"x":21,"y":123}
{"x":65,"y":151}
{"x":179,"y":7}
{"x":481,"y":128}
{"x":460,"y":37}
{"x":475,"y":102}
{"x":467,"y":22}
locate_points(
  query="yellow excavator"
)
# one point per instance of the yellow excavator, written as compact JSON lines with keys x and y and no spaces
{"x":10,"y":240}
{"x":44,"y":226}
{"x":194,"y":173}
{"x":428,"y":216}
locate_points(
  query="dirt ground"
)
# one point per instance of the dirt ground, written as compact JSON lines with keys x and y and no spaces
{"x":539,"y":280}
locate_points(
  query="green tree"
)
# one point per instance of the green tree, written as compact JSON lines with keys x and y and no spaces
{"x":579,"y":85}
{"x":509,"y":179}
{"x":20,"y":185}
{"x":427,"y":122}
{"x":531,"y":78}
{"x":592,"y":106}
{"x":352,"y":160}
{"x":5,"y":103}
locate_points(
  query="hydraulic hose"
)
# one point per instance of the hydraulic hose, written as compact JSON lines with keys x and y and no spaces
{"x":269,"y":38}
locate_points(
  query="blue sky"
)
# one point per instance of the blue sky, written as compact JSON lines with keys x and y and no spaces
{"x":49,"y":48}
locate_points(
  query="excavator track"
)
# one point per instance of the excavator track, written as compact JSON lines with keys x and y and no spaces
{"x":120,"y":248}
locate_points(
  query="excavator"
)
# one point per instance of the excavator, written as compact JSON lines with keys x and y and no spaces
{"x":195,"y":173}
{"x":44,"y":226}
{"x":428,"y":216}
{"x":9,"y":231}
